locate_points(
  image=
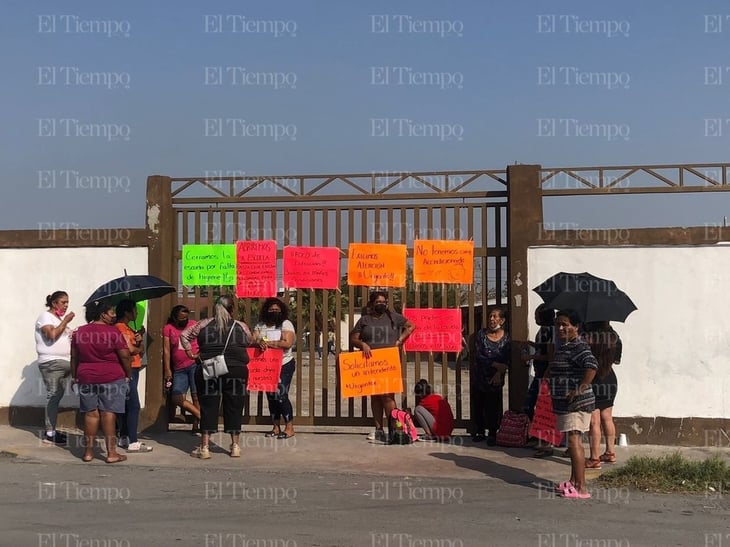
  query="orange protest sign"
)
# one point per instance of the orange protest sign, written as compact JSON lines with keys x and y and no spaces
{"x":379,"y":374}
{"x":264,"y":369}
{"x":376,"y":265}
{"x":436,"y":330}
{"x":255,"y":269}
{"x":443,"y":261}
{"x":311,"y":267}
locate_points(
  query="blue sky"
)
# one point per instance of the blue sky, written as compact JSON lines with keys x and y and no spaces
{"x":638,"y":69}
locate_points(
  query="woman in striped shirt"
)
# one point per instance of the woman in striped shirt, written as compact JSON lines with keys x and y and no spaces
{"x":571,"y":373}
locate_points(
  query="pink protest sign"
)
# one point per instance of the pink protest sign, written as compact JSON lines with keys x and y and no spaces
{"x":311,"y":267}
{"x":255,"y":269}
{"x":437,"y":329}
{"x":264,"y":369}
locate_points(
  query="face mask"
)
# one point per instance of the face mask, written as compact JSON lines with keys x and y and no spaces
{"x":380,"y":308}
{"x":273,"y":317}
{"x":59,"y":313}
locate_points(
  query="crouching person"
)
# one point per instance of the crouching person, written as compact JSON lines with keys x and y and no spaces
{"x":433,"y":413}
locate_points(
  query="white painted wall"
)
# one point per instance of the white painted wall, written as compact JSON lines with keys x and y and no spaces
{"x":27,"y":276}
{"x":676,"y":346}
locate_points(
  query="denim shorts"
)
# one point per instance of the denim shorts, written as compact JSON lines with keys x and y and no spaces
{"x":106,"y":397}
{"x":184,"y":379}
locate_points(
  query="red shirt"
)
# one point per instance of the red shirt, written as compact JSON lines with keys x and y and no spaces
{"x":439,"y":407}
{"x":179,"y":359}
{"x":96,"y":347}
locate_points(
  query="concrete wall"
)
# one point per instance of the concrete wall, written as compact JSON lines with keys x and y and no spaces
{"x":676,"y":345}
{"x":27,"y":275}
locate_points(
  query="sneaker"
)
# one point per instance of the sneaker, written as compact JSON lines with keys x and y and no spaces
{"x":202,"y":452}
{"x":123,"y":442}
{"x":57,"y":438}
{"x":235,"y":451}
{"x":139,"y":447}
{"x":377,"y":435}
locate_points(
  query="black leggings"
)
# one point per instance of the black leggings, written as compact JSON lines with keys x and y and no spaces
{"x":231,"y":388}
{"x":486,"y":407}
{"x":279,"y":403}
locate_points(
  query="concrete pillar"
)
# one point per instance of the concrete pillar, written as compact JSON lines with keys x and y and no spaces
{"x":161,"y":248}
{"x":524,"y":223}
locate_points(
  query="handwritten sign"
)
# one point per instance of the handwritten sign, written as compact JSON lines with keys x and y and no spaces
{"x":443,"y":261}
{"x":376,"y":265}
{"x":264,"y":369}
{"x":255,"y":269}
{"x":208,"y":265}
{"x":311,"y":267}
{"x":379,"y":374}
{"x":436,"y":330}
{"x":544,"y":421}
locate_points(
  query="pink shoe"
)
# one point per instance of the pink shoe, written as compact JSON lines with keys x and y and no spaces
{"x":572,"y":493}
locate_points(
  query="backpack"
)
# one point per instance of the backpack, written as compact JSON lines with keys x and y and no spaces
{"x":401,"y":428}
{"x":513,"y":429}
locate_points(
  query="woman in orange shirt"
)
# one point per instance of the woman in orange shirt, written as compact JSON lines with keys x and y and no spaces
{"x":126,"y":313}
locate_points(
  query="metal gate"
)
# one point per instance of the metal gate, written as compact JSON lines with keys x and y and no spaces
{"x":334,"y":211}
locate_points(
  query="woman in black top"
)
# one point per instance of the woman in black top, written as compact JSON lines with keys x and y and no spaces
{"x":214,"y":334}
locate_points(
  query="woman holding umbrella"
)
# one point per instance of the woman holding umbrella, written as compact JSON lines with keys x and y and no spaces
{"x":571,"y":372}
{"x":126,"y":312}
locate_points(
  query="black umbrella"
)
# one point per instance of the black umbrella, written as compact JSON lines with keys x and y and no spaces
{"x":131,"y":287}
{"x":593,"y":298}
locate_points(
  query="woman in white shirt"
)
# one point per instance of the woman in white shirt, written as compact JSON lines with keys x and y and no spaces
{"x":274,"y":330}
{"x":53,"y":344}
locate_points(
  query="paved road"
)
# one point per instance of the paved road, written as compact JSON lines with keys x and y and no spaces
{"x":331,"y":490}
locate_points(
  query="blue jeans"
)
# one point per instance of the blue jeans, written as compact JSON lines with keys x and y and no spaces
{"x":531,"y":399}
{"x":279,"y":404}
{"x":184,"y":379}
{"x":129,"y":421}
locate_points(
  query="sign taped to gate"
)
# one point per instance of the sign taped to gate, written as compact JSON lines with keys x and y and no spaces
{"x":255,"y":269}
{"x":311,"y":267}
{"x":437,"y":329}
{"x":443,"y":261}
{"x":376,"y":265}
{"x":204,"y":265}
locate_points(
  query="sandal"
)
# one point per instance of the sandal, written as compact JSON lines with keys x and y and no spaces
{"x":608,"y":457}
{"x":272,"y":434}
{"x":572,"y":493}
{"x":593,"y":464}
{"x":284,"y":435}
{"x":87,"y":459}
{"x":543,"y":453}
{"x":563,"y":487}
{"x":121,"y":458}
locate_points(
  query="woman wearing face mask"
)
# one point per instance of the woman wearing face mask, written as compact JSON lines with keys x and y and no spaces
{"x":489,"y":361}
{"x":179,"y":365}
{"x":274,"y":330}
{"x":380,"y":328}
{"x":53,"y":344}
{"x":101,"y":364}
